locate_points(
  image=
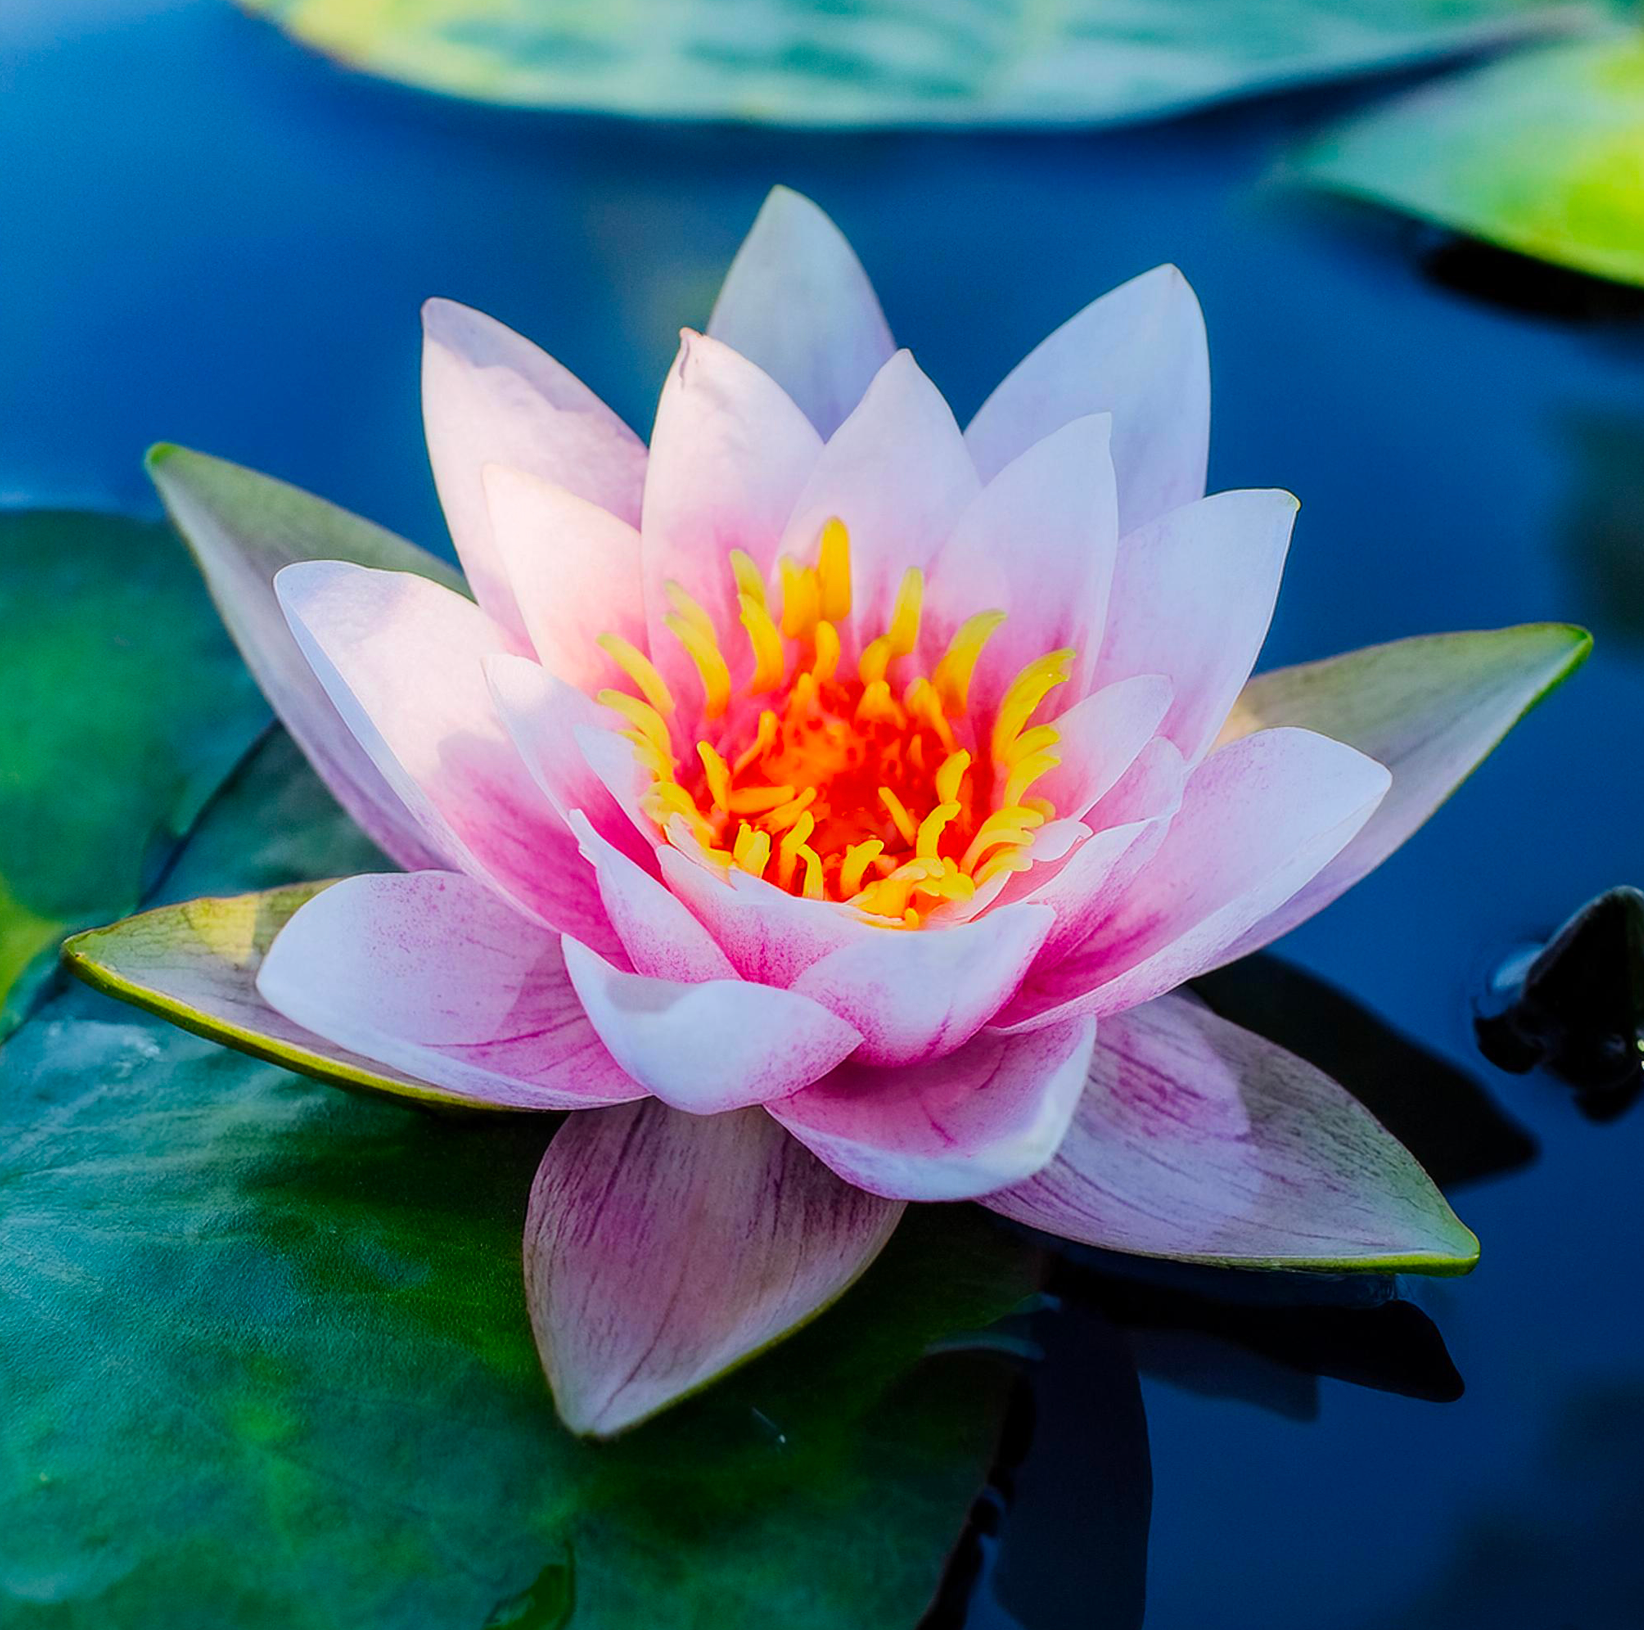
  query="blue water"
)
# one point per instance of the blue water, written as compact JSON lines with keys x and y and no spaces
{"x":208,"y":236}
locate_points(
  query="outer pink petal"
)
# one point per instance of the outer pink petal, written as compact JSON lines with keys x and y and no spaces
{"x":1038,"y":542}
{"x":431,"y":974}
{"x":897,"y":474}
{"x":1138,"y":353}
{"x":574,"y":570}
{"x":1193,"y":595}
{"x":709,"y":1047}
{"x":1199,"y":1141}
{"x":663,"y":1249}
{"x":729,"y":457}
{"x":244,"y":528}
{"x":1428,"y":708}
{"x":1258,"y":819}
{"x":403,"y":660}
{"x":797,"y":302}
{"x":659,"y":935}
{"x":919,"y":994}
{"x":987,"y":1115}
{"x":543,"y":717}
{"x":491,"y":397}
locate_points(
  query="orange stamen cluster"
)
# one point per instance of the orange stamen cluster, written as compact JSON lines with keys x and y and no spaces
{"x":861,"y":785}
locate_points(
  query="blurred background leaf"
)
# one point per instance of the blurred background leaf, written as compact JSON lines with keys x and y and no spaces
{"x":124,"y":706}
{"x":892,"y":62}
{"x":1541,"y":153}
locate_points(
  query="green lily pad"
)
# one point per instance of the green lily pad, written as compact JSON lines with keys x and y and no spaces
{"x":266,"y":1357}
{"x":1542,"y":153}
{"x":124,"y":707}
{"x":891,"y":62}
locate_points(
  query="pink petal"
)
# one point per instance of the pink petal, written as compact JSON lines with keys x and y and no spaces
{"x":663,"y":1249}
{"x":1193,"y":595}
{"x":403,"y":660}
{"x":797,"y":302}
{"x":1137,"y":353}
{"x":1429,"y":709}
{"x":1258,"y":819}
{"x":659,"y":935}
{"x":729,"y":457}
{"x":243,"y":528}
{"x":987,"y":1115}
{"x":897,"y":474}
{"x":1099,"y":738}
{"x":491,"y":397}
{"x":917,"y":994}
{"x":709,"y":1047}
{"x":431,"y":974}
{"x":1038,"y":542}
{"x":574,"y":570}
{"x":1202,"y":1142}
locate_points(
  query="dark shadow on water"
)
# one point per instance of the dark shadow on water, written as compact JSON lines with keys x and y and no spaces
{"x":1601,"y":527}
{"x":1522,"y":283}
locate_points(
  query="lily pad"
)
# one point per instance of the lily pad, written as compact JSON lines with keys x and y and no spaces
{"x":266,"y":1357}
{"x":124,"y":707}
{"x":1542,"y":153}
{"x":892,"y":62}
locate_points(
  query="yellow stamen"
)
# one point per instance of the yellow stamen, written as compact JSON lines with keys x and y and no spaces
{"x":930,"y":829}
{"x":718,"y":773}
{"x":640,"y":669}
{"x":875,"y":659}
{"x":757,"y":800}
{"x":792,"y":813}
{"x":826,"y":664}
{"x":787,"y":851}
{"x":858,"y":856}
{"x":661,"y":765}
{"x":703,"y":650}
{"x":754,"y":854}
{"x":904,"y":626}
{"x":769,"y":662}
{"x":899,"y":814}
{"x":812,"y":889}
{"x":1027,"y":690}
{"x":644,"y":718}
{"x":1025,"y":772}
{"x":1029,"y":742}
{"x":877,"y":703}
{"x":749,"y":579}
{"x":833,"y":569}
{"x":801,"y":598}
{"x":923,"y":703}
{"x":951,"y":774}
{"x":761,"y":744}
{"x":1012,"y":860}
{"x":953,"y":673}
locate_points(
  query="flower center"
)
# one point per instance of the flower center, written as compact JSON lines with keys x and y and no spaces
{"x":867,"y":787}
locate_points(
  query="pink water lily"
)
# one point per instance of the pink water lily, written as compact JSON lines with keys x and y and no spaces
{"x":826,"y":804}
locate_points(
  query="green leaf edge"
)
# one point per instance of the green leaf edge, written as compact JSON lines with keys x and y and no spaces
{"x":80,"y":957}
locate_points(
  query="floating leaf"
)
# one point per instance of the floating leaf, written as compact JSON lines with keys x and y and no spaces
{"x":1542,"y":153}
{"x":266,"y":1357}
{"x":124,"y":706}
{"x":891,"y":62}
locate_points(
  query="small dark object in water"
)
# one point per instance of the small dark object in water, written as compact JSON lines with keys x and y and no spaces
{"x":1577,"y":1010}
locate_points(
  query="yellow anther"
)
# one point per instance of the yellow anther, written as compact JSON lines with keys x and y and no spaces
{"x":1025,"y":772}
{"x":1029,"y":742}
{"x":691,"y":610}
{"x":718,"y":773}
{"x":876,"y":703}
{"x":1027,"y":690}
{"x":749,"y":579}
{"x":769,"y":724}
{"x":639,"y":668}
{"x":930,"y":829}
{"x":812,"y":889}
{"x":858,"y":857}
{"x":801,"y":598}
{"x":769,"y":661}
{"x":899,"y":814}
{"x":875,"y":659}
{"x":923,"y":703}
{"x":802,"y":698}
{"x":641,"y":715}
{"x":792,"y":813}
{"x":1042,"y":807}
{"x":720,"y":857}
{"x":903,"y":632}
{"x":757,"y":800}
{"x":833,"y":569}
{"x":752,"y":850}
{"x":787,"y":851}
{"x":704,"y":651}
{"x":826,"y":664}
{"x":660,"y":764}
{"x":953,"y":673}
{"x":951,"y":775}
{"x":1012,"y":860}
{"x":1013,"y":824}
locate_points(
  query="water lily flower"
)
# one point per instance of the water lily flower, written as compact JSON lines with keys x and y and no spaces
{"x":826,"y":805}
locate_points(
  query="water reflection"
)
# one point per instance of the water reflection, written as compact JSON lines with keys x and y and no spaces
{"x":1060,"y":1536}
{"x":1602,"y":528}
{"x":1576,"y":1008}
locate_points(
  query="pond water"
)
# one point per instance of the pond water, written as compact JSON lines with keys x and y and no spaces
{"x":213,"y":238}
